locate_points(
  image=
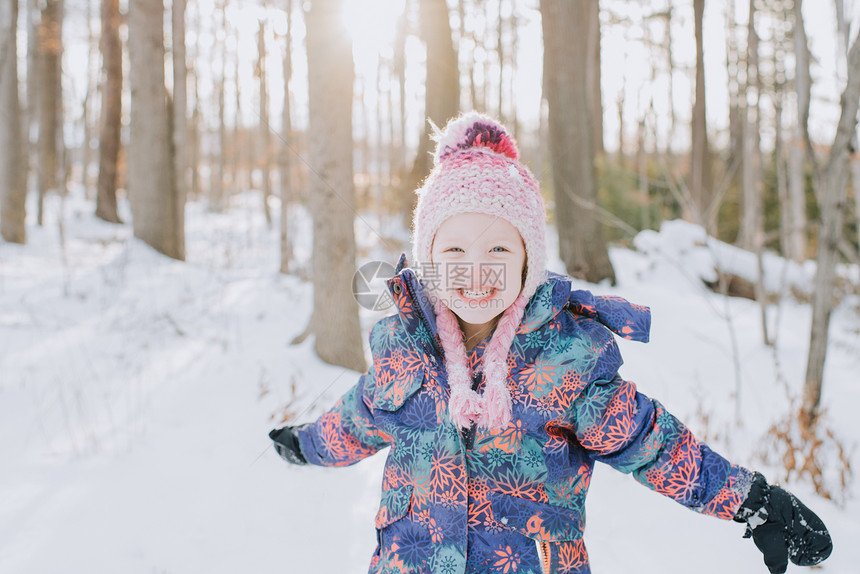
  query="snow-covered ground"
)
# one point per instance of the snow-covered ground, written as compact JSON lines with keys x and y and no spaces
{"x":136,"y":393}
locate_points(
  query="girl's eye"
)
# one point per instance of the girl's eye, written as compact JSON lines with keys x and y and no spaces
{"x":498,"y":249}
{"x":454,"y":249}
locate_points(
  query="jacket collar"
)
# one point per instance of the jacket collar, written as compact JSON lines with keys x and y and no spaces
{"x":625,"y":319}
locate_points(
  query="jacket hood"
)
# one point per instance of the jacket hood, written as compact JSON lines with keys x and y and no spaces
{"x":624,"y":319}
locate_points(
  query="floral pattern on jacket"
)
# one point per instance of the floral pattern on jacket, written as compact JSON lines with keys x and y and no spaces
{"x":511,"y":500}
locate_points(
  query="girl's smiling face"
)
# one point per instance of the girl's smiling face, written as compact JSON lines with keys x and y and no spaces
{"x":478,"y":264}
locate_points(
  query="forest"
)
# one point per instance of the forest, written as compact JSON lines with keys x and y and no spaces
{"x":736,"y":117}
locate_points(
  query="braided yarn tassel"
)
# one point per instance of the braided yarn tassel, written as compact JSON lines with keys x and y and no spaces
{"x":465,"y":405}
{"x":497,"y":397}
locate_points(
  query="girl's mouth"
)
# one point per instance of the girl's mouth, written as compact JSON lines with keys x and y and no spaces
{"x":477,"y":294}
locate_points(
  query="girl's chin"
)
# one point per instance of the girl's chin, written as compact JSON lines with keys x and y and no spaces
{"x":476,"y":317}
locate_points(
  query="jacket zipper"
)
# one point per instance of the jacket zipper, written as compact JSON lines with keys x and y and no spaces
{"x":543,"y":550}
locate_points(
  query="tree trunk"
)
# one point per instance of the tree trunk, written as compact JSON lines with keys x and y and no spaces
{"x":180,"y":108}
{"x":30,"y":104}
{"x":513,"y":116}
{"x":700,"y":165}
{"x":265,"y":134}
{"x":798,"y":148}
{"x":155,"y":204}
{"x":49,"y":48}
{"x":332,"y":199}
{"x":111,"y":122}
{"x":442,"y":92}
{"x":670,"y":65}
{"x":751,"y":222}
{"x":830,"y":184}
{"x":842,"y":27}
{"x":500,"y":50}
{"x":595,"y":94}
{"x":642,"y":167}
{"x":286,"y":145}
{"x":92,"y":93}
{"x":194,"y":139}
{"x":400,"y":72}
{"x":736,"y":127}
{"x":785,"y":222}
{"x":13,"y":190}
{"x":216,"y":188}
{"x":566,"y":70}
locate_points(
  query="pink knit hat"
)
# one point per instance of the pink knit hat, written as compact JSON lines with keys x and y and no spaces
{"x":476,"y":170}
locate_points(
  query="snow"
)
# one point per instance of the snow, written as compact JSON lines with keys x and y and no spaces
{"x":136,"y":394}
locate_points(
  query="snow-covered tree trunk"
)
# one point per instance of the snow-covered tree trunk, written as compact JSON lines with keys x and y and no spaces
{"x":111,"y":121}
{"x":332,"y":195}
{"x":565,"y":65}
{"x":156,"y":206}
{"x":13,"y":190}
{"x":831,"y":185}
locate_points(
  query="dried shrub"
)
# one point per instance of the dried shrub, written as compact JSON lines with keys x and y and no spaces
{"x":287,"y":411}
{"x":816,"y":455}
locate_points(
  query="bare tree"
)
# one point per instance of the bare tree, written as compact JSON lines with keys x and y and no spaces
{"x":752,"y":214}
{"x":779,"y":87}
{"x":670,"y":68}
{"x":265,"y":160}
{"x":700,"y":162}
{"x":399,"y":64}
{"x":111,"y":122}
{"x":49,"y":46}
{"x":13,"y":190}
{"x":90,"y":96}
{"x":736,"y":121}
{"x":595,"y":94}
{"x":844,"y":42}
{"x":334,"y":321}
{"x":799,"y":147}
{"x":156,"y":206}
{"x":286,"y":156}
{"x":442,"y":90}
{"x":216,"y":194}
{"x":830,"y":185}
{"x":179,"y":109}
{"x":566,"y":84}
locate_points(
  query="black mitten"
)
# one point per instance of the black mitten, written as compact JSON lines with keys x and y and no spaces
{"x":782,"y":527}
{"x":287,"y":445}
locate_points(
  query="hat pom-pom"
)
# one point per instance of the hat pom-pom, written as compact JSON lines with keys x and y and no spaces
{"x":474,"y":130}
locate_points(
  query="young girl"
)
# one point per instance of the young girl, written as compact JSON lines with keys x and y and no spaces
{"x":496,"y":387}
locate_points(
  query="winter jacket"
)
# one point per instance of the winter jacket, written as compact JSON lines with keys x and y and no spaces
{"x":511,"y":500}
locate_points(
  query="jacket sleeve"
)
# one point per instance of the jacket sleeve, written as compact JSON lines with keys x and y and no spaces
{"x":347,"y":433}
{"x":634,"y":434}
